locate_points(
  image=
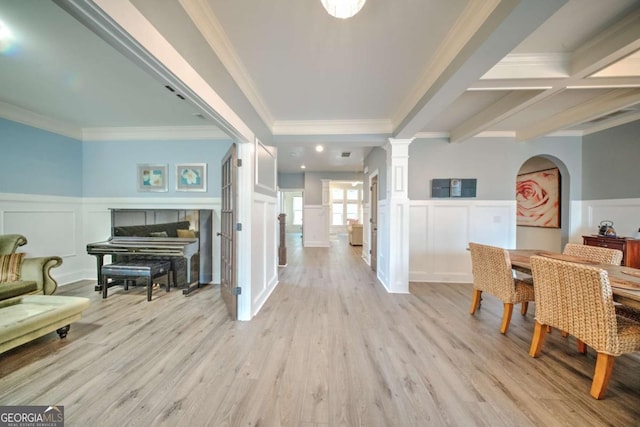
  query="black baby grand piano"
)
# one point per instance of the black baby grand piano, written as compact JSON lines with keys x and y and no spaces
{"x":153,"y":234}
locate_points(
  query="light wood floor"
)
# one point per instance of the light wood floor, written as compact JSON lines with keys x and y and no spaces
{"x":330,"y":347}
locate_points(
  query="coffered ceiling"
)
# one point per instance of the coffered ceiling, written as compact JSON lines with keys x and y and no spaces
{"x":458,"y":69}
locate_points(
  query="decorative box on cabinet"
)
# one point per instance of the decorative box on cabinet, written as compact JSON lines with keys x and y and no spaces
{"x":630,"y":247}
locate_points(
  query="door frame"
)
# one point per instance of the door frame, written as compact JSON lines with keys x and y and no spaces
{"x":373,"y":211}
{"x":228,"y":234}
{"x":281,"y":194}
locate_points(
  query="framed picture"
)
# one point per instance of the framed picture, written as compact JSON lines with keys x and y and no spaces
{"x":152,"y":177}
{"x":538,"y":199}
{"x":191,"y":177}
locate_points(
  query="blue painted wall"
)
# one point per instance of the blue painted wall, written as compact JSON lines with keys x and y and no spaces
{"x":611,"y":156}
{"x":110,"y":167}
{"x":34,"y":161}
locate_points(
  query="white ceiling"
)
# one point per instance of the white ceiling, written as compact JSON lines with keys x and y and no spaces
{"x":298,"y":77}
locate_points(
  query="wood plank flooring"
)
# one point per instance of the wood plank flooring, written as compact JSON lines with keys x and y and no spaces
{"x":330,"y":347}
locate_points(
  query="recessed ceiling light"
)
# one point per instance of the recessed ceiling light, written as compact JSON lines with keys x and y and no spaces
{"x":303,"y":167}
{"x":319,"y":148}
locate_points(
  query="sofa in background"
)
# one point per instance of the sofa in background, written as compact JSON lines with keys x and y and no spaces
{"x":20,"y":275}
{"x":355,"y":234}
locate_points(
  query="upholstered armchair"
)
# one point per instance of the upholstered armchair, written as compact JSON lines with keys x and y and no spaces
{"x":10,"y":242}
{"x":355,"y":234}
{"x":20,"y":275}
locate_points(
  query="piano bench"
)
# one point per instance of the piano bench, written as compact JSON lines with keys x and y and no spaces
{"x":133,"y":270}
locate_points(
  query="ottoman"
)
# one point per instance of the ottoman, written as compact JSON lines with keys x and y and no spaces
{"x":133,"y":270}
{"x":28,"y":317}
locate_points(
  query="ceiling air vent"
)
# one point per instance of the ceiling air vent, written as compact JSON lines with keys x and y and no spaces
{"x":346,"y":154}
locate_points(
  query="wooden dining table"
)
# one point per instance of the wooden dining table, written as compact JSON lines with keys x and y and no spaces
{"x":624,"y":281}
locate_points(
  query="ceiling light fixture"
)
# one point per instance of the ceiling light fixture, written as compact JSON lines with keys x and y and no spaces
{"x":319,"y":148}
{"x":303,"y":167}
{"x":343,"y":9}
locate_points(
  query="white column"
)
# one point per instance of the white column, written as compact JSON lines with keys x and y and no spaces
{"x":398,"y":215}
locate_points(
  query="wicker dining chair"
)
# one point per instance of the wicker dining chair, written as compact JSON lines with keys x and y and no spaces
{"x":577,"y":298}
{"x":602,"y":256}
{"x":594,"y":253}
{"x":492,"y":273}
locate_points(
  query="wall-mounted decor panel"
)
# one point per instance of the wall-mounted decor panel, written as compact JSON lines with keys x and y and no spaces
{"x":453,"y":187}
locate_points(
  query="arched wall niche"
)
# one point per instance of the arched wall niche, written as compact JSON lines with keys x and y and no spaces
{"x":551,"y":239}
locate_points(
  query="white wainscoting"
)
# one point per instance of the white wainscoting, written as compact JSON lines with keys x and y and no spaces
{"x":53,"y":225}
{"x":366,"y":232}
{"x":440,"y":231}
{"x":264,"y":251}
{"x":382,"y":265}
{"x":625,"y":214}
{"x":63,"y":226}
{"x":316,"y":226}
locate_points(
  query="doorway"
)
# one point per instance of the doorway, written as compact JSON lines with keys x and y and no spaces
{"x":292,"y":205}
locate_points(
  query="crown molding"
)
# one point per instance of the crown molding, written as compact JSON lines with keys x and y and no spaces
{"x":162,"y":133}
{"x":530,"y":66}
{"x":332,"y":127}
{"x":209,"y":26}
{"x":29,"y":118}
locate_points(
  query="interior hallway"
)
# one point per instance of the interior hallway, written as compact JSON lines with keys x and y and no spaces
{"x":330,"y":347}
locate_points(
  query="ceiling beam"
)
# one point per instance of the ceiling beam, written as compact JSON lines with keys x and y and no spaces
{"x":509,"y":23}
{"x":506,"y":106}
{"x":597,"y":107}
{"x":611,"y":45}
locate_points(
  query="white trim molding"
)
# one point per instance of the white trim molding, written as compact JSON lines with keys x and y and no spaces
{"x":332,"y":127}
{"x":162,"y":133}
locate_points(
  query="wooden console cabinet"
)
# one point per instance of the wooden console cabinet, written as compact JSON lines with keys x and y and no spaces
{"x":630,"y":247}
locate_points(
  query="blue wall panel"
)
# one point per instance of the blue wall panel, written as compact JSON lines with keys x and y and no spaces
{"x":34,"y":161}
{"x":110,"y":167}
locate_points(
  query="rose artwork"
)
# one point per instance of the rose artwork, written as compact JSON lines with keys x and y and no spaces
{"x":537,"y":197}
